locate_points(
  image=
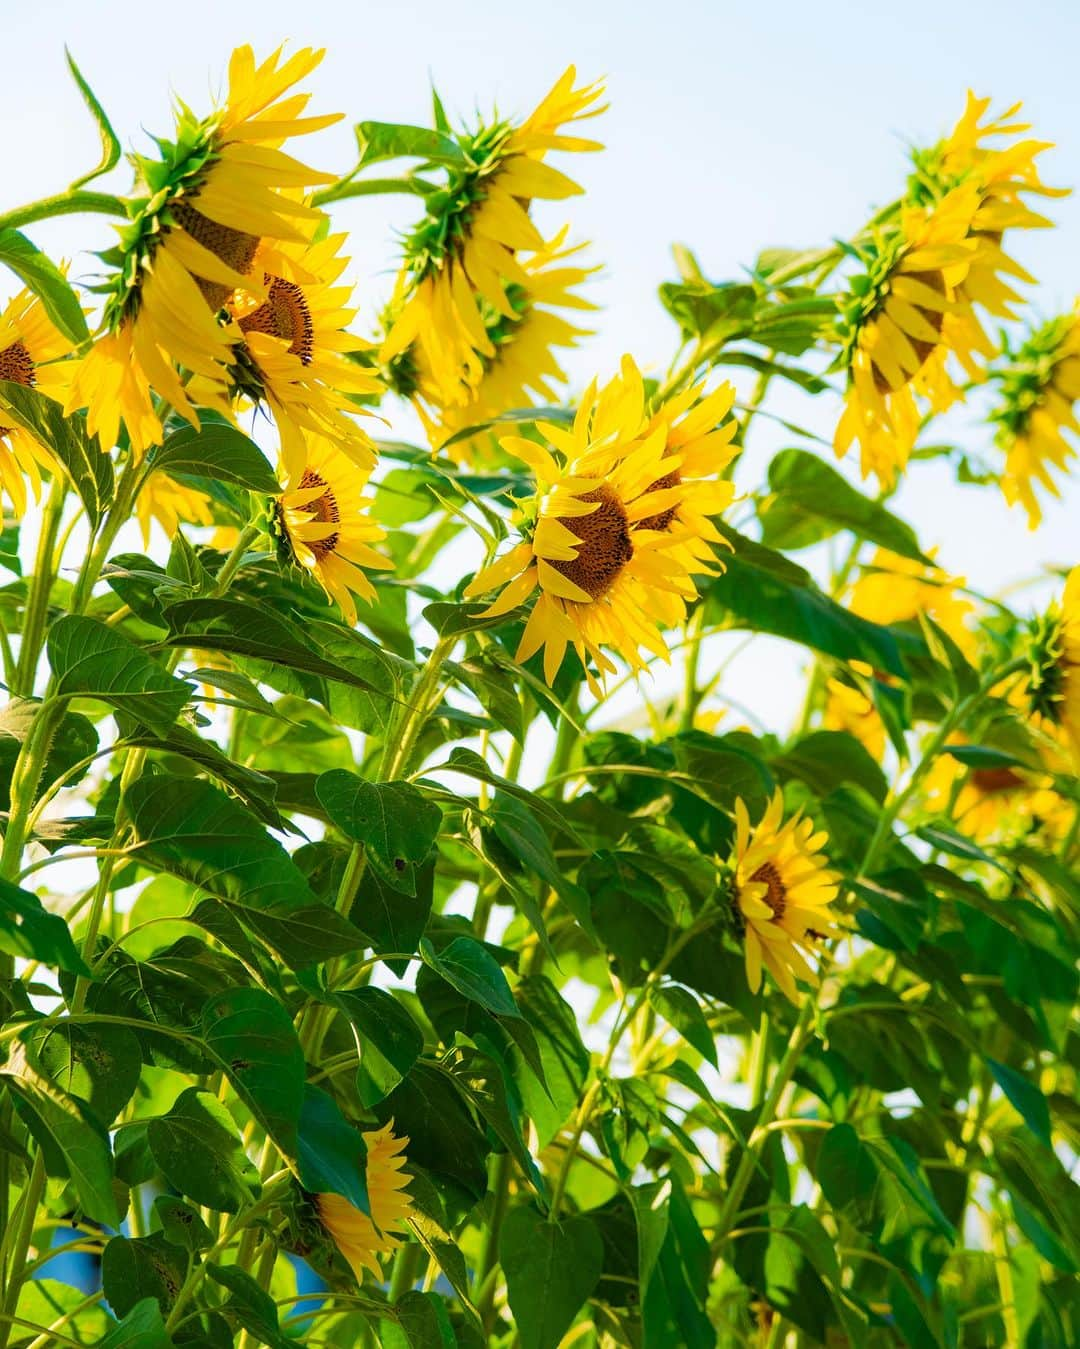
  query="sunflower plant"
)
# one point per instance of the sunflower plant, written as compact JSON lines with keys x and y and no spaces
{"x":405,"y":939}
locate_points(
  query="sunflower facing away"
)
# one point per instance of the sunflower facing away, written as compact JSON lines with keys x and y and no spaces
{"x":615,"y":533}
{"x":1039,"y":388}
{"x":322,"y":524}
{"x":892,"y":330}
{"x":1053,"y":685}
{"x":781,"y":893}
{"x":222,"y":186}
{"x":461,"y":262}
{"x":996,"y":800}
{"x":31,"y":354}
{"x":363,"y":1240}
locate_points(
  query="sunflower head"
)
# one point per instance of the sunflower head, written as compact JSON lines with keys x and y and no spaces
{"x":365,"y":1240}
{"x":781,"y":892}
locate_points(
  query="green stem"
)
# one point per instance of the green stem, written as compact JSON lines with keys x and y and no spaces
{"x":690,"y":697}
{"x":232,"y":563}
{"x":37,"y":604}
{"x":406,"y":1269}
{"x":401,"y":739}
{"x":759,"y":1061}
{"x":31,"y":1198}
{"x":68,"y":202}
{"x":484,"y":1284}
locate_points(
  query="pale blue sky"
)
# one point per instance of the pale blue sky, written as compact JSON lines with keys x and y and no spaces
{"x":732,"y":127}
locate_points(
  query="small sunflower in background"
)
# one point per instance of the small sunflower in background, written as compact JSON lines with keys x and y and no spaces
{"x":364,"y":1241}
{"x":893,"y":343}
{"x":291,"y":349}
{"x":32,"y":349}
{"x":1039,"y":387}
{"x":214,"y":193}
{"x":847,"y":708}
{"x":895,"y":589}
{"x":781,"y":893}
{"x":523,"y":366}
{"x":1052,"y":688}
{"x":996,"y":800}
{"x":611,"y":539}
{"x":461,"y":262}
{"x":322,"y":524}
{"x":170,"y":503}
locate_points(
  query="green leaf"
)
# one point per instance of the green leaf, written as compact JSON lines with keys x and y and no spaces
{"x":443,"y":1138}
{"x":182,"y":1224}
{"x":75,"y":740}
{"x":395,"y":140}
{"x":563,"y":1056}
{"x":390,"y":1040}
{"x":393,"y":920}
{"x":551,"y":1268}
{"x":762,"y":591}
{"x":682,"y":1011}
{"x":41,"y":275}
{"x":99,"y":1064}
{"x":468,"y":966}
{"x":200,"y":1153}
{"x":332,"y":1154}
{"x":110,"y":144}
{"x":251,"y":1305}
{"x":421,"y":1323}
{"x":812,"y":501}
{"x":142,"y":1267}
{"x":219,"y":451}
{"x":142,"y":1328}
{"x":73,"y":1141}
{"x":394,"y":820}
{"x":97,"y":661}
{"x":28,"y":929}
{"x":253,"y":1038}
{"x":1025,"y":1097}
{"x":90,"y":471}
{"x":45,"y":1300}
{"x":825,"y":759}
{"x":845,"y":1168}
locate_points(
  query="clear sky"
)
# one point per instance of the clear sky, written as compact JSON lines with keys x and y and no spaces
{"x":732,"y":127}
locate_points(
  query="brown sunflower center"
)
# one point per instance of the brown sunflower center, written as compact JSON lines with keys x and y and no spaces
{"x":605,"y":544}
{"x":776,"y":893}
{"x":16,"y":365}
{"x":324,"y":510}
{"x":662,"y":519}
{"x":235,"y":248}
{"x":991,"y":781}
{"x":934,"y":317}
{"x":285,"y":314}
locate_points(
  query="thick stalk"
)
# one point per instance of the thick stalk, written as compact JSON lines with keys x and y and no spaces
{"x":401,"y":739}
{"x":69,"y":202}
{"x":37,"y":604}
{"x":35,"y":1188}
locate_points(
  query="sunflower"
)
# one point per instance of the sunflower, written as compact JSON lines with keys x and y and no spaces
{"x":461,"y":260}
{"x":522,"y":366}
{"x":322,"y":524}
{"x":1052,"y":688}
{"x":895,"y":589}
{"x":781,"y":893}
{"x":32,"y":349}
{"x":989,"y":802}
{"x":1039,"y":387}
{"x":169,"y":502}
{"x":608,"y":546}
{"x":894,"y":343}
{"x":847,"y":708}
{"x":222,"y":186}
{"x":291,"y":350}
{"x":361,"y":1239}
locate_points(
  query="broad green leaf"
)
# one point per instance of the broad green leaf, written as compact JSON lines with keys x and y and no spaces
{"x":825,"y":759}
{"x":200,"y":1154}
{"x":468,"y":966}
{"x":142,"y":1328}
{"x":421,"y":1323}
{"x":682,"y":1011}
{"x":251,"y":1305}
{"x":551,"y":1268}
{"x":563,"y":1056}
{"x":73,"y":1141}
{"x":253,"y":1038}
{"x":443,"y":1137}
{"x":142,"y":1267}
{"x":28,"y":929}
{"x":96,"y":661}
{"x":219,"y":451}
{"x":181,"y":1223}
{"x":332,"y":1152}
{"x":390,"y":1041}
{"x":845,"y":1168}
{"x":1025,"y":1096}
{"x":394,"y":820}
{"x":392,"y":919}
{"x":99,"y":1064}
{"x":395,"y":140}
{"x":90,"y":470}
{"x":41,"y":275}
{"x":811,"y":501}
{"x":75,"y":740}
{"x":764,"y":592}
{"x":45,"y":1300}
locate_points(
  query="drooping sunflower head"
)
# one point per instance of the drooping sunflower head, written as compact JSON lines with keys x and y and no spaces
{"x":522,"y":366}
{"x":781,"y":893}
{"x":364,"y":1241}
{"x":32,"y":351}
{"x":322,"y":525}
{"x":612,"y":539}
{"x":208,"y":198}
{"x":1052,"y":686}
{"x":461,"y":260}
{"x":893,"y":331}
{"x":1039,"y":387}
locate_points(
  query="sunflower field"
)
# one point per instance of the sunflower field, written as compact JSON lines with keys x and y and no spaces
{"x":391,"y":952}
